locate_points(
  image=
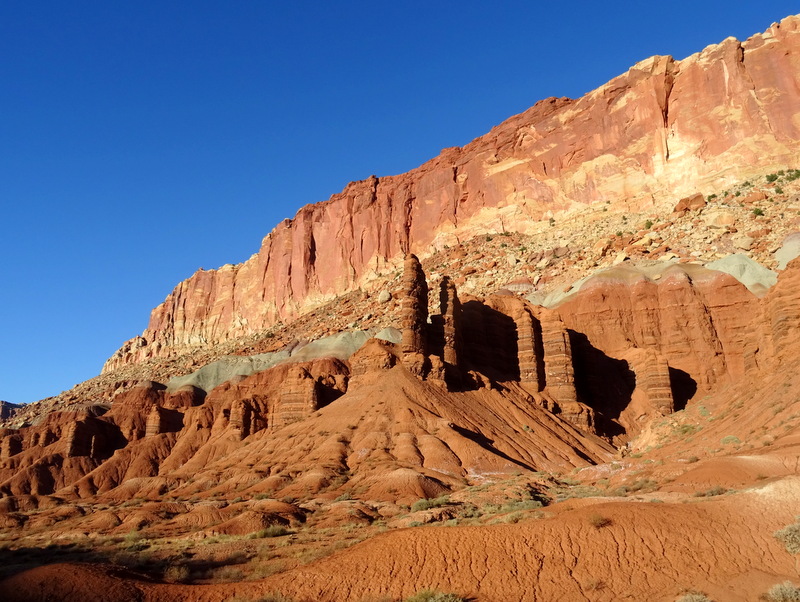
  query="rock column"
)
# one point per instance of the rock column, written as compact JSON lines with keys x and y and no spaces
{"x":652,"y":376}
{"x":559,"y":371}
{"x":78,"y":440}
{"x":11,"y":445}
{"x":153,"y":424}
{"x":414,"y":315}
{"x":529,"y":350}
{"x":240,"y":418}
{"x":299,"y":397}
{"x":450,"y":308}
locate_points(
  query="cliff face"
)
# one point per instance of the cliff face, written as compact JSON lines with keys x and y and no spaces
{"x":659,"y":132}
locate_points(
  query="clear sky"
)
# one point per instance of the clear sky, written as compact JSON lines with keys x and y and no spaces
{"x":141,"y":140}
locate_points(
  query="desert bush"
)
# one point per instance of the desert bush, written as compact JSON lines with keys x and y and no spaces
{"x":641,"y":484}
{"x":177,"y":573}
{"x":598,"y":521}
{"x":716,"y":490}
{"x":790,"y":537}
{"x":519,"y":505}
{"x":430,"y":595}
{"x":758,"y":211}
{"x":693,"y":597}
{"x":784,"y":592}
{"x":228,"y":573}
{"x":271,"y":531}
{"x":426,"y":504}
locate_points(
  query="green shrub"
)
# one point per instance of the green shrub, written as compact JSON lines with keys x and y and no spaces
{"x":784,"y":592}
{"x":426,"y":504}
{"x":758,"y":211}
{"x":648,"y":224}
{"x":772,"y":177}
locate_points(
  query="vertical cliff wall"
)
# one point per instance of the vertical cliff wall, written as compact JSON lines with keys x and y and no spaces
{"x":660,"y":131}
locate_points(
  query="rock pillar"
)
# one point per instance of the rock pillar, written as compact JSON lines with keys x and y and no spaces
{"x":298,"y":398}
{"x":414,"y":316}
{"x":559,"y":371}
{"x":450,"y":309}
{"x":153,"y":424}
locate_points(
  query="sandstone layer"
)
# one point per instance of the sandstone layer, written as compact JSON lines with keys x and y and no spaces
{"x":661,"y":131}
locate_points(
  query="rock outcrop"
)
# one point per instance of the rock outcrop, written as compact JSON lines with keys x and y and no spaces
{"x":718,"y":115}
{"x":414,"y":310}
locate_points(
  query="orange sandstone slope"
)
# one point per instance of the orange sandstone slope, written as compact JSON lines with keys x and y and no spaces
{"x":661,"y":131}
{"x":483,"y":388}
{"x":643,"y":551}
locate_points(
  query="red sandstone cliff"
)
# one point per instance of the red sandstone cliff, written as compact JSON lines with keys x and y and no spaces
{"x":660,"y":131}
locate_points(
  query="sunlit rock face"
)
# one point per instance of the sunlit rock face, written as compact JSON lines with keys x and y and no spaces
{"x":657,"y":133}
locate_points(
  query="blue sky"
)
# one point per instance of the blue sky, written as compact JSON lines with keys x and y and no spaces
{"x":140,"y":141}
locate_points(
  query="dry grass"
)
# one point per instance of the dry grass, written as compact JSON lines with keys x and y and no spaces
{"x":598,"y":521}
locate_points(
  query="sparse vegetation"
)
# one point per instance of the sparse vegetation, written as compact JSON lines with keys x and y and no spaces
{"x":271,"y":531}
{"x":714,"y":491}
{"x":177,"y":573}
{"x":758,"y":212}
{"x":430,"y":595}
{"x":427,"y":504}
{"x":784,"y":592}
{"x":693,"y":596}
{"x":790,"y":537}
{"x":598,"y":521}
